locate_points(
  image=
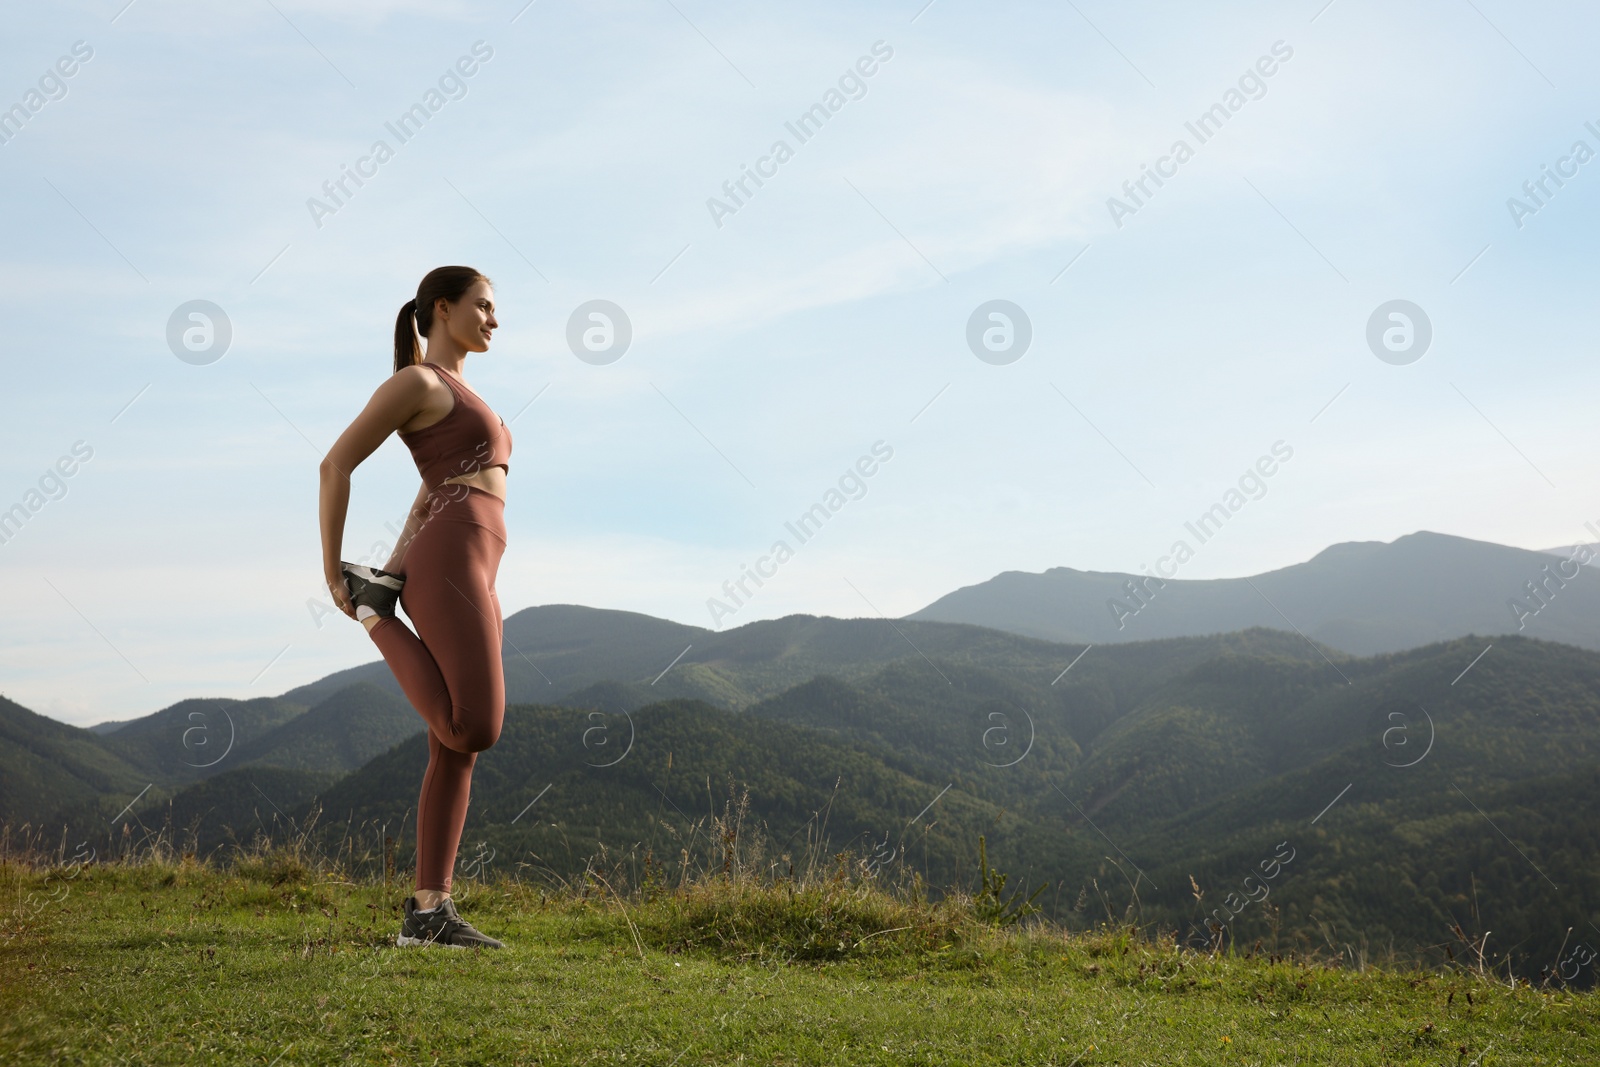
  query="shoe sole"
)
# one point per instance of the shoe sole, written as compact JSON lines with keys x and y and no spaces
{"x":423,"y":942}
{"x":403,"y":940}
{"x":368,"y":577}
{"x":368,"y":574}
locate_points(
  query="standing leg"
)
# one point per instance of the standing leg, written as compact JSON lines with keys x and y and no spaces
{"x":450,"y":669}
{"x":446,"y":788}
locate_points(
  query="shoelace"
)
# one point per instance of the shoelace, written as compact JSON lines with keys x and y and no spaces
{"x":447,"y":924}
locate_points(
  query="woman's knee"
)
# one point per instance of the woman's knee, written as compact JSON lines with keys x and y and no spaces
{"x":482,"y":741}
{"x":475,"y":738}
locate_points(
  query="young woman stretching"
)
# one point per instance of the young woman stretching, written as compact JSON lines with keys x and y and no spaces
{"x":442,"y":571}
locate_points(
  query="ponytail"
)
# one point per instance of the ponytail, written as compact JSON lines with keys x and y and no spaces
{"x":416,"y":316}
{"x":406,"y":349}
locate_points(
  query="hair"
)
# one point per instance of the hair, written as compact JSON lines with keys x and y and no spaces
{"x":416,"y":315}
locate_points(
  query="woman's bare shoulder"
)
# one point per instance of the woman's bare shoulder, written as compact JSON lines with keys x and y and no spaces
{"x":414,"y":383}
{"x":416,"y":373}
{"x":413,"y":393}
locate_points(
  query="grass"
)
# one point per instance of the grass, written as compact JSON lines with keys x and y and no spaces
{"x":280,"y":959}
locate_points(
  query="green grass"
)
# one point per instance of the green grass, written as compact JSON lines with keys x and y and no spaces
{"x":277,"y":963}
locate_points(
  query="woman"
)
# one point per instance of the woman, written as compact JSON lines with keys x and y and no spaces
{"x":442,"y":571}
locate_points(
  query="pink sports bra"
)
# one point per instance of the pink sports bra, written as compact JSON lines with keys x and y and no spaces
{"x":470,"y":438}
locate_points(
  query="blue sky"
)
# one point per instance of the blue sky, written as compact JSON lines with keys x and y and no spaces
{"x":828,"y":312}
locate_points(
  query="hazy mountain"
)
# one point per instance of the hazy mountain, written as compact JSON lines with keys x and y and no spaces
{"x":552,"y":650}
{"x":557,"y":650}
{"x":49,"y":770}
{"x":339,"y":734}
{"x":1592,"y":547}
{"x":198,"y":737}
{"x":1362,"y":597}
{"x":47,"y":767}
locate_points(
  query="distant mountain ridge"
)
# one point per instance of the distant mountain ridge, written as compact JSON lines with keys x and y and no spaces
{"x":1364,"y":598}
{"x":562,"y":655}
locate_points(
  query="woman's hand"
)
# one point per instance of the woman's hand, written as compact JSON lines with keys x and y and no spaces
{"x":340,"y":592}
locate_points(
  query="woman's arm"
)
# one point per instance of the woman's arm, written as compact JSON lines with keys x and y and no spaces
{"x":393,"y":404}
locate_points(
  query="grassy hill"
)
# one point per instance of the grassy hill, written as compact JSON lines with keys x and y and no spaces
{"x":280,"y":961}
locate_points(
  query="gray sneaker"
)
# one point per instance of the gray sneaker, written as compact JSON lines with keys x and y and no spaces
{"x":442,"y":926}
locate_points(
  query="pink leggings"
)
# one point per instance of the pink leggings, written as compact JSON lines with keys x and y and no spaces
{"x":450,"y":668}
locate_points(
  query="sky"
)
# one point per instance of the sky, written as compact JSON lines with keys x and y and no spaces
{"x":1349,"y":259}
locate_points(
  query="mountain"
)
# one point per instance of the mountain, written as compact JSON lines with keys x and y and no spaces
{"x":551,"y":650}
{"x":198,"y":737}
{"x":347,"y":724}
{"x":977,"y":739}
{"x":52,"y":771}
{"x":1362,"y":597}
{"x":339,"y":734}
{"x":1377,"y":801}
{"x":554,"y":651}
{"x":1256,"y":780}
{"x":47,"y":767}
{"x":553,"y":791}
{"x":1591,"y":547}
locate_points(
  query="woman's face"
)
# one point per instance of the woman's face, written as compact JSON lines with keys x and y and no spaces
{"x":469,"y":321}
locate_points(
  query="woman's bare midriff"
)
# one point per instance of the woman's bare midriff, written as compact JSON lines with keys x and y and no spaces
{"x":490,"y":480}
